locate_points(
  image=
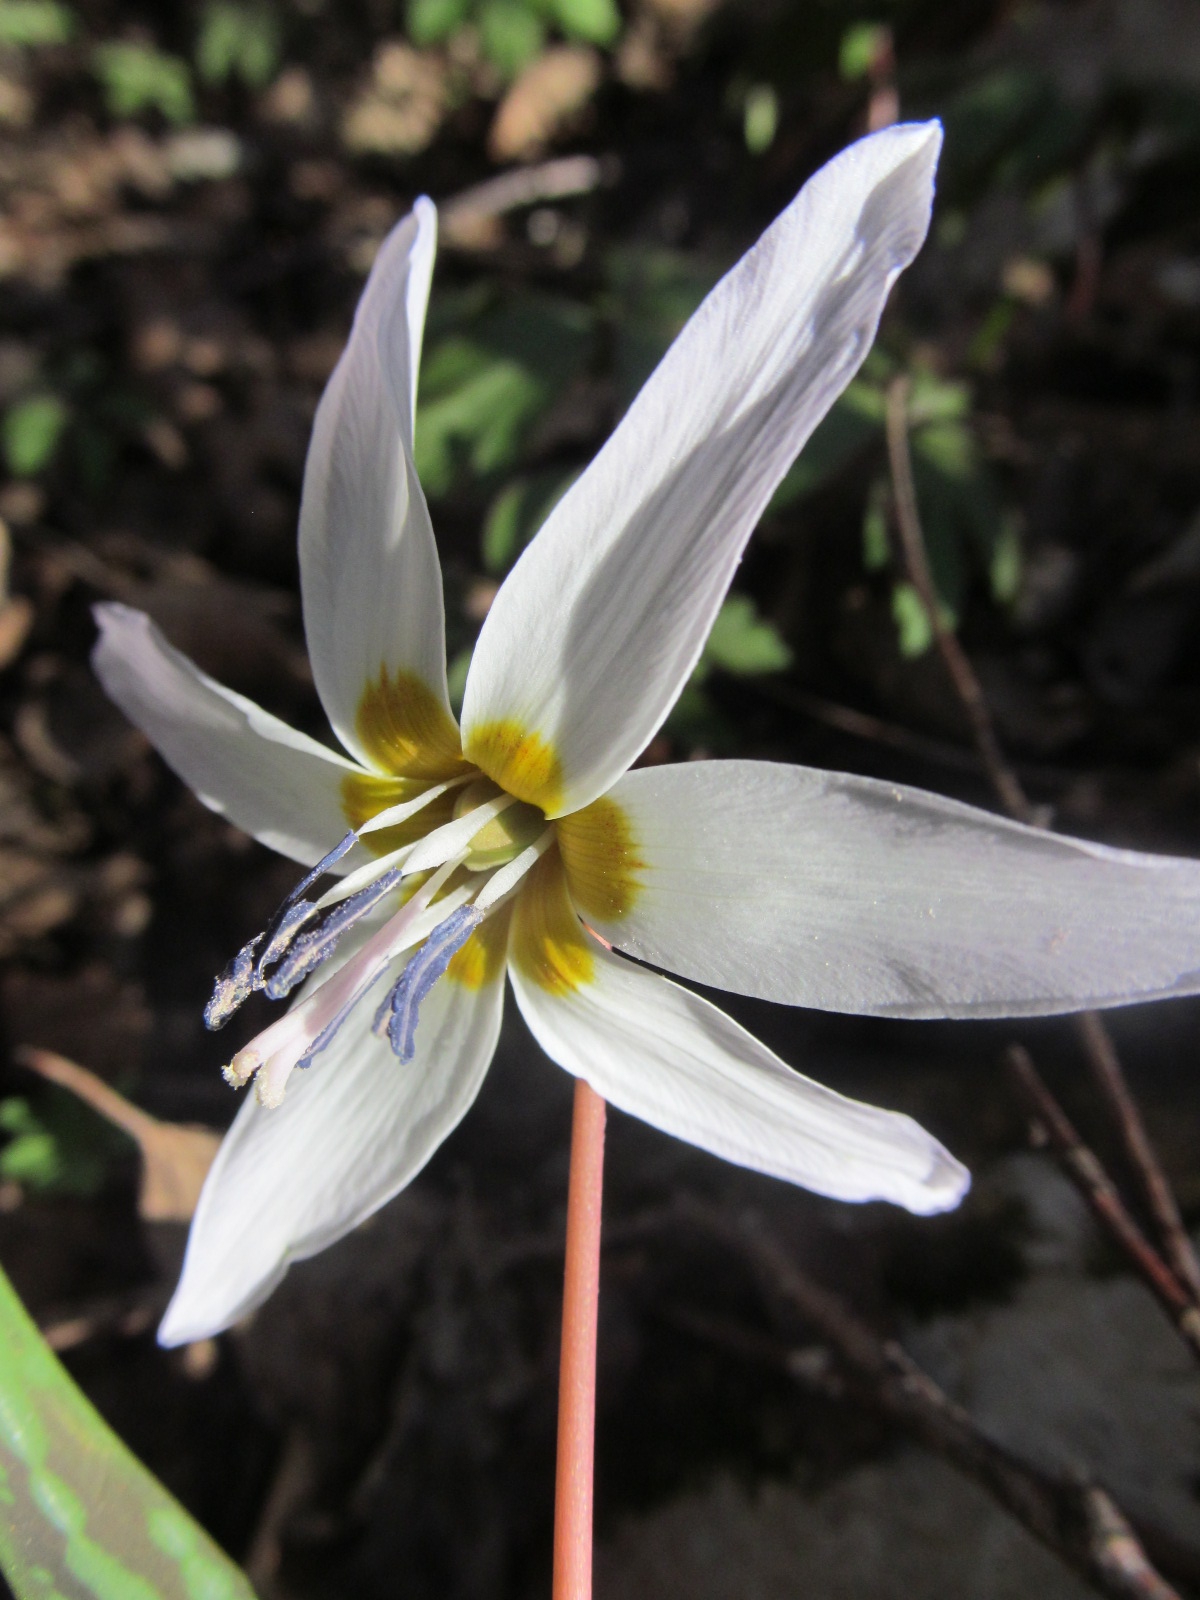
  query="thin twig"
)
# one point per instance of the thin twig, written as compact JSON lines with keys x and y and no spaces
{"x":967,"y":686}
{"x":1084,"y":1169}
{"x":1093,"y":1035}
{"x":1075,"y":1518}
{"x":1106,"y":1070}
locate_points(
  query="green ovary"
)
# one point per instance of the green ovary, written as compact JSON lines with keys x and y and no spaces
{"x":504,"y":837}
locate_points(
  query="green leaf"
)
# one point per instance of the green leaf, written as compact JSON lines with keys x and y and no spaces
{"x":876,"y":547}
{"x":431,"y":21}
{"x":760,"y":118}
{"x":947,"y":447}
{"x":912,"y":621}
{"x":478,"y":426}
{"x":860,"y":49}
{"x":511,"y":34}
{"x":61,"y":1147}
{"x":137,"y":78}
{"x":31,"y":431}
{"x":655,"y":291}
{"x":1004,"y":572}
{"x":741,"y":642}
{"x":82,"y":1516}
{"x":456,"y":678}
{"x":516,"y":514}
{"x":483,"y":387}
{"x":237,"y":40}
{"x":594,"y":21}
{"x":35,"y":22}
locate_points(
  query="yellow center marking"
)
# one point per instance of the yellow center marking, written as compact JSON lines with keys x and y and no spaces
{"x":523,"y":764}
{"x":549,"y":946}
{"x":406,"y":730}
{"x":599,"y":853}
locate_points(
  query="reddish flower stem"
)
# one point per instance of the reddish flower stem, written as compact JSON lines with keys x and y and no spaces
{"x":577,"y":1372}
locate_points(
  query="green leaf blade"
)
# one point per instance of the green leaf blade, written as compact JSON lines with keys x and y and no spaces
{"x":83,"y":1519}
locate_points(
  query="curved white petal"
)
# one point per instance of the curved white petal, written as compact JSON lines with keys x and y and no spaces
{"x":595,"y":631}
{"x":850,"y":894}
{"x":351,"y":1132}
{"x":680,"y":1064}
{"x":277,"y":784}
{"x":369,"y":572}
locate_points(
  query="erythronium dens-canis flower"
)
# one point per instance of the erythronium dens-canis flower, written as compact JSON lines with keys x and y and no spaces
{"x":523,"y":843}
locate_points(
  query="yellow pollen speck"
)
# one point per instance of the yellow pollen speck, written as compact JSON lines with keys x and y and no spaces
{"x":523,"y":764}
{"x":405,"y":728}
{"x":600,"y":856}
{"x":481,"y":959}
{"x":549,"y":946}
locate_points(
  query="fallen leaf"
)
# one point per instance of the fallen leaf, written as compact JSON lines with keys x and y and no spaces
{"x":543,"y":101}
{"x":175,"y":1156}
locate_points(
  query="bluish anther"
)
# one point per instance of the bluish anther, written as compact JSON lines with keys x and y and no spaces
{"x":234,"y":985}
{"x":399,"y":1011}
{"x":311,"y":949}
{"x":245,"y":973}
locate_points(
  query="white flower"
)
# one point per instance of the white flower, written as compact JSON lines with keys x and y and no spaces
{"x":512,"y":848}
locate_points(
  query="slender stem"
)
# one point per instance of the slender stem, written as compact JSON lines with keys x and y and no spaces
{"x":577,"y":1373}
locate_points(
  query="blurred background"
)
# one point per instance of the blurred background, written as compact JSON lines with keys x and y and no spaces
{"x":191,"y":197}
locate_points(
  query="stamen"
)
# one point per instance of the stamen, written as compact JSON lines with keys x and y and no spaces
{"x":311,"y":949}
{"x":409,"y":808}
{"x":362,"y":876}
{"x":503,"y":881}
{"x":347,"y":988}
{"x":322,"y":867}
{"x":287,"y":922}
{"x":243,"y":974}
{"x":234,"y":985}
{"x":400,"y":1009}
{"x":453,"y":837}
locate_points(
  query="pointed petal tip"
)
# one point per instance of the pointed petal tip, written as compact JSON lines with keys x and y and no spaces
{"x":176,"y":1328}
{"x":943,"y":1188}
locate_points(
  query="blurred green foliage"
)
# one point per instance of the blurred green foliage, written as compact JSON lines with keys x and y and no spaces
{"x":59,"y":1147}
{"x":861,"y":46}
{"x":35,"y":22}
{"x":486,"y":384}
{"x":137,"y":77}
{"x":237,"y":41}
{"x":31,"y":432}
{"x":512,"y":32}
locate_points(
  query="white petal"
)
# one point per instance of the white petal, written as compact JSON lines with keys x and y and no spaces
{"x":351,"y":1132}
{"x":596,"y":630}
{"x":678,"y":1063}
{"x":850,"y":894}
{"x":277,"y":784}
{"x":369,"y":570}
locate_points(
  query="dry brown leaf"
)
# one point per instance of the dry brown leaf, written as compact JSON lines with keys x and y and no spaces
{"x":175,"y":1156}
{"x":402,"y":108}
{"x":16,"y":621}
{"x":543,"y":101}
